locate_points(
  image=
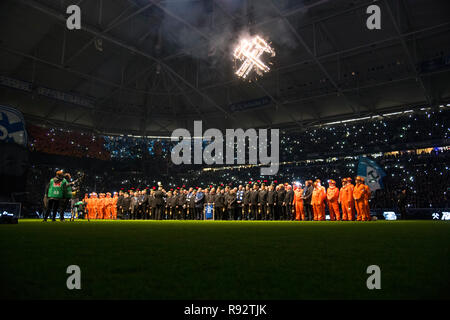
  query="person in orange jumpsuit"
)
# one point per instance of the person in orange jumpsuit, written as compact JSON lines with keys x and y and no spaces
{"x":332,"y":201}
{"x":104,"y":206}
{"x":101,"y":206}
{"x":346,"y":200}
{"x":342,"y":194}
{"x":297,"y":203}
{"x":361,"y":194}
{"x":85,"y":200}
{"x":114,"y":205}
{"x":108,"y":206}
{"x":367,"y":194}
{"x":318,"y":201}
{"x":94,"y":204}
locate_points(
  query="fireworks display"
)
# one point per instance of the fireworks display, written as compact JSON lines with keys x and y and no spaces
{"x":249,"y":53}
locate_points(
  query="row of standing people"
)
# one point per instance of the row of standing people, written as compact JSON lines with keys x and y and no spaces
{"x":101,"y":206}
{"x":280,"y":202}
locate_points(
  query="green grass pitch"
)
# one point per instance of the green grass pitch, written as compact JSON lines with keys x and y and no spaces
{"x":225,"y":260}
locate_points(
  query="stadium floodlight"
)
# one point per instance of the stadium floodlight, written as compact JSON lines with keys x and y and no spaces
{"x":249,"y":51}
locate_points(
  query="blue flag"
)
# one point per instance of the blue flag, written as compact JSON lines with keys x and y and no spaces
{"x":12,"y":126}
{"x":372,"y":173}
{"x":209,"y":212}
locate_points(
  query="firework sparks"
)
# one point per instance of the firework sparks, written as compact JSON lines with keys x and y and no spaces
{"x":249,"y":51}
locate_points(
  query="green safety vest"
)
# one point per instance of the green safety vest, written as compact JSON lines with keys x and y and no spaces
{"x":68,"y":194}
{"x":56,"y":190}
{"x":80,"y":205}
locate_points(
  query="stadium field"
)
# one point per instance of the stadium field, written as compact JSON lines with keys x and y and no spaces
{"x":225,"y":260}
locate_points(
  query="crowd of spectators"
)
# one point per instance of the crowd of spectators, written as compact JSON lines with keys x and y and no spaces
{"x":129,"y":147}
{"x":377,"y":133}
{"x":367,"y":135}
{"x":134,"y":162}
{"x":67,"y":143}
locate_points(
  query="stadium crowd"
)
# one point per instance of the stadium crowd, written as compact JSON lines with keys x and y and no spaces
{"x":348,"y":137}
{"x":66,"y":142}
{"x":307,"y":156}
{"x":365,"y":136}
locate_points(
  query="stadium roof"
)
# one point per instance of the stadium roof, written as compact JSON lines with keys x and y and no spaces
{"x":148,"y":67}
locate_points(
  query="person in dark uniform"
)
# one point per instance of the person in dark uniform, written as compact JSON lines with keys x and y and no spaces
{"x":225,"y":193}
{"x":288,"y":200}
{"x":239,"y":202}
{"x":147,"y":208}
{"x":262,"y":202}
{"x":191,"y":204}
{"x":401,"y":203}
{"x":126,"y":206}
{"x":231,"y":204}
{"x":138,"y":213}
{"x":134,"y":205}
{"x":119,"y":204}
{"x":280,"y":208}
{"x":54,"y":193}
{"x":164,"y":208}
{"x":188,"y":194}
{"x":307,"y":195}
{"x":186,"y":205}
{"x":152,"y":205}
{"x":168,"y":210}
{"x":271,"y":202}
{"x":173,"y":205}
{"x":210,"y":198}
{"x":210,"y":195}
{"x":143,"y":204}
{"x":246,"y":203}
{"x":159,"y":203}
{"x":219,"y":204}
{"x":237,"y":211}
{"x":168,"y":201}
{"x":181,"y":205}
{"x":199,"y":203}
{"x":254,"y":202}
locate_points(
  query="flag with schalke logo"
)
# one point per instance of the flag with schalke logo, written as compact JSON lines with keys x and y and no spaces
{"x":372,"y":173}
{"x":12,"y":126}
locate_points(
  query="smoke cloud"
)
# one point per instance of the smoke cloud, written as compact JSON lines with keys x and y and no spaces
{"x":233,"y":20}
